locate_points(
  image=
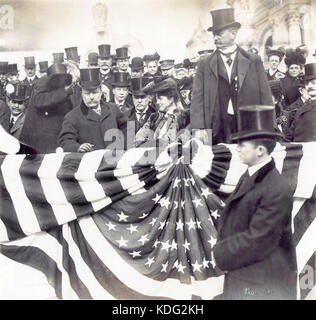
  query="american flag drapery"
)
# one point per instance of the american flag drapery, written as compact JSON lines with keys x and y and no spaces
{"x":139,"y":227}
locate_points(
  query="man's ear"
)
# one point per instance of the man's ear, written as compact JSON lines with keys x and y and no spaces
{"x":262,"y":150}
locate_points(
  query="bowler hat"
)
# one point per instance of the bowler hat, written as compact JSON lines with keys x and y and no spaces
{"x":138,"y":84}
{"x":58,"y":76}
{"x":72,"y":53}
{"x":13,"y":68}
{"x":3,"y":67}
{"x":43,"y":66}
{"x":122,"y":53}
{"x":93,"y":59}
{"x":256,"y":121}
{"x":29,"y":62}
{"x":17,"y":91}
{"x":310,"y":71}
{"x":121,"y":79}
{"x":90,"y":78}
{"x":58,"y":57}
{"x":166,"y":64}
{"x":222,"y":19}
{"x":104,"y":51}
{"x":137,"y":64}
{"x":151,"y":57}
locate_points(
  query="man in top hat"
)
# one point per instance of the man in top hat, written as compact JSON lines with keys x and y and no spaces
{"x":92,"y":59}
{"x":43,"y":66}
{"x":17,"y":97}
{"x":205,"y":53}
{"x":105,"y":64}
{"x":167,"y":67}
{"x":152,"y":65}
{"x":227,"y":79}
{"x":122,"y":59}
{"x":304,"y":129}
{"x":58,"y":57}
{"x":31,"y":77}
{"x":13,"y":73}
{"x":3,"y":79}
{"x":49,"y":103}
{"x":142,"y":109}
{"x":121,"y":83}
{"x":274,"y":59}
{"x":164,"y":124}
{"x":72,"y":55}
{"x":255,"y":248}
{"x":85,"y":128}
{"x":137,"y":67}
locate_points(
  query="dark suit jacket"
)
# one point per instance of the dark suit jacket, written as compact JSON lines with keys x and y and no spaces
{"x":83,"y":125}
{"x":16,"y":129}
{"x":253,"y":88}
{"x":255,"y":239}
{"x":4,"y":116}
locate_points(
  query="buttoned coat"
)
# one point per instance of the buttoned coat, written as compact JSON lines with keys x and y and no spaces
{"x":83,"y":125}
{"x":253,"y":88}
{"x":255,"y":245}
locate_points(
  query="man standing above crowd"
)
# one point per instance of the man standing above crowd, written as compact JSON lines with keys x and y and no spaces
{"x":84,"y":128}
{"x":225,"y":80}
{"x":105,"y":65}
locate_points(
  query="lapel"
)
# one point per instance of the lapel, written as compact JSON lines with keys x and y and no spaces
{"x":105,"y":111}
{"x":214,"y":65}
{"x":18,"y":124}
{"x":257,"y":177}
{"x":242,"y":66}
{"x":221,"y":68}
{"x":307,"y":106}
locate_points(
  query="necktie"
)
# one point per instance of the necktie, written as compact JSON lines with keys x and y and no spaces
{"x":11,"y":123}
{"x":228,"y":55}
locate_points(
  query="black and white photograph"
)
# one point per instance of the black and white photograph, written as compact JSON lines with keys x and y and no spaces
{"x":158,"y":150}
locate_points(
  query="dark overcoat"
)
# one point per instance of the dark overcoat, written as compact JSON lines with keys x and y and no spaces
{"x":17,"y":127}
{"x":44,"y":116}
{"x":253,"y":88}
{"x":4,"y":116}
{"x":255,"y":243}
{"x":83,"y":125}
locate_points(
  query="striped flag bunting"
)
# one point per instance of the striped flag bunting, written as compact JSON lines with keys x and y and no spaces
{"x":139,"y":224}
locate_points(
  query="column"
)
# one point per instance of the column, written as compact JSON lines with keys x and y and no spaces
{"x":293,"y":20}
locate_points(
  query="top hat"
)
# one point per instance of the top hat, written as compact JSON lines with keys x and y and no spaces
{"x":104,"y":51}
{"x":151,"y":57}
{"x":121,"y":79}
{"x":58,"y":57}
{"x":17,"y":91}
{"x":122,"y":53}
{"x":138,"y":84}
{"x":256,"y":121}
{"x":72,"y":53}
{"x":166,"y":64}
{"x":137,"y":64}
{"x":93,"y":59}
{"x":222,"y":19}
{"x":310,"y":71}
{"x":12,"y":68}
{"x":3,"y":67}
{"x":58,"y":76}
{"x":206,"y":51}
{"x":43,"y":66}
{"x":90,"y":78}
{"x":275,"y":52}
{"x":293,"y":57}
{"x":29,"y":62}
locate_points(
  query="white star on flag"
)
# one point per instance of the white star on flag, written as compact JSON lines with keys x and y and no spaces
{"x":175,"y":265}
{"x":122,"y":216}
{"x":196,"y":266}
{"x":156,"y":243}
{"x":164,"y":267}
{"x":165,"y":246}
{"x":198,"y":223}
{"x":111,"y":226}
{"x":205,"y":263}
{"x":197,"y":202}
{"x":162,"y":225}
{"x":191,"y":224}
{"x":186,"y":181}
{"x":182,"y":204}
{"x":122,"y":242}
{"x":181,"y":267}
{"x":132,"y":229}
{"x":192,"y":181}
{"x":157,"y":198}
{"x":153,"y":221}
{"x":176,"y":182}
{"x":212,"y":241}
{"x":186,"y":246}
{"x":214,"y":214}
{"x":143,"y":239}
{"x":135,"y":254}
{"x":180,"y":225}
{"x":164,"y":202}
{"x":174,"y":245}
{"x":206,"y":192}
{"x":149,"y":262}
